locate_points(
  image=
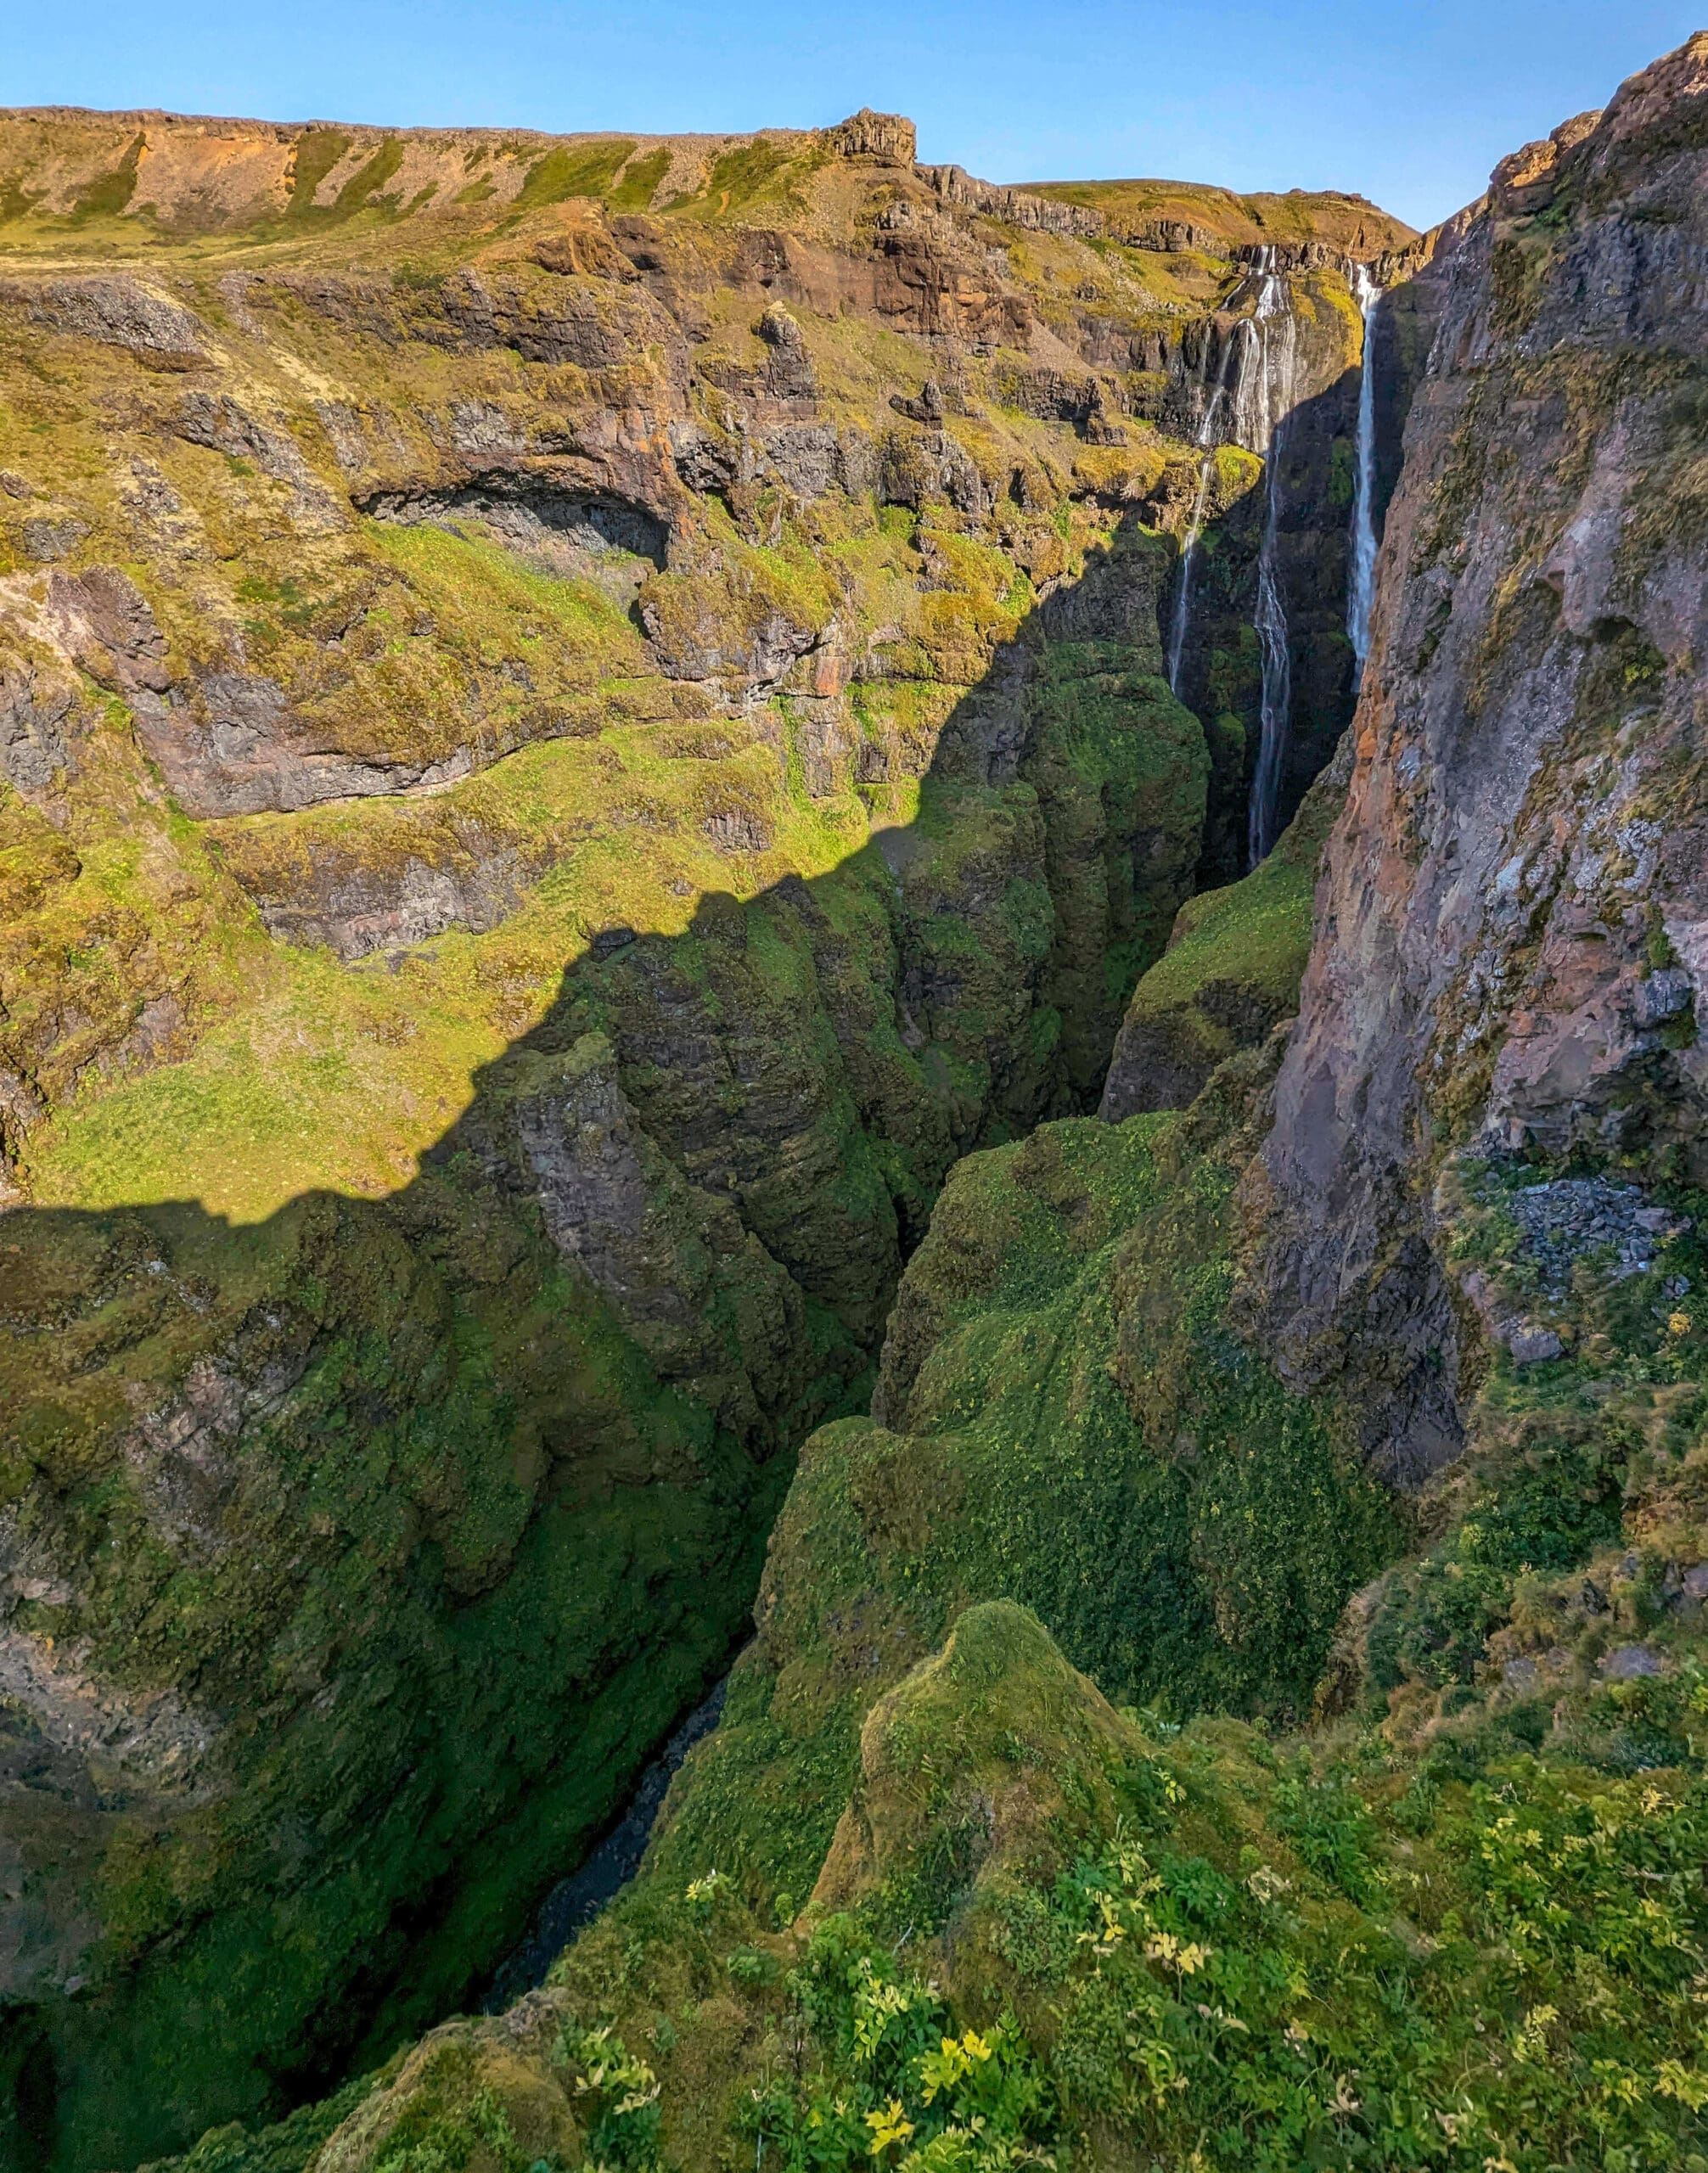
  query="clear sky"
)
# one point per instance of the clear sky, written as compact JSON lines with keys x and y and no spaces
{"x":1409,"y":102}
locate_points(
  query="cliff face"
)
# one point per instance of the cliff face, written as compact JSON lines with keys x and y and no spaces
{"x":579,"y":717}
{"x":924,"y":1895}
{"x":1509,"y":950}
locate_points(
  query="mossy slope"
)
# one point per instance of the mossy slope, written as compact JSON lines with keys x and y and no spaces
{"x":1231,"y":972}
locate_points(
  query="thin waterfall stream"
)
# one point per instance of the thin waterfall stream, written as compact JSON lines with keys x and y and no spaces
{"x":1263,"y":404}
{"x":1206,"y":468}
{"x":1361,"y":558}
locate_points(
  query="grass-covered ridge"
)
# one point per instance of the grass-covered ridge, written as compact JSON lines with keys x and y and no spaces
{"x":411,"y":1412}
{"x":1049,"y":1932}
{"x":929,"y":1898}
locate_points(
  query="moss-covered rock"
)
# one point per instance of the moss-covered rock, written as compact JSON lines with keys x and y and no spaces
{"x":1231,"y":972}
{"x":1061,"y":1931}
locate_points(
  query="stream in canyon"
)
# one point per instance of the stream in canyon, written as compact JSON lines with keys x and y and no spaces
{"x":574,"y":1901}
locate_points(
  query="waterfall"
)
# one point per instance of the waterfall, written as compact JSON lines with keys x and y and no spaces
{"x":1361,"y":557}
{"x":1256,"y":381}
{"x":1207,"y":438}
{"x":1263,"y":402}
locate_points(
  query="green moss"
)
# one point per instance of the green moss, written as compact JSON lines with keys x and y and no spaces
{"x":317,"y":152}
{"x":366,"y":182}
{"x":288,"y":2146}
{"x":635,"y":191}
{"x":759,"y":172}
{"x":573,"y":169}
{"x":111,"y":192}
{"x":1062,"y":1932}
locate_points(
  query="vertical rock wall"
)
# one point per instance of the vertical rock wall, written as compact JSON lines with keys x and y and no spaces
{"x":1512,"y":925}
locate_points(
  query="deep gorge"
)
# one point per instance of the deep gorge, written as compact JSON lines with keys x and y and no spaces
{"x":600,"y":778}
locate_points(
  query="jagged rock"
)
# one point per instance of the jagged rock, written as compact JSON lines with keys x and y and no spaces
{"x":51,"y":536}
{"x":119,"y":311}
{"x":1017,"y":207}
{"x":106,"y":624}
{"x":233,"y":744}
{"x":790,"y":373}
{"x":33,"y":715}
{"x":1631,"y":1663}
{"x":927,"y":408}
{"x":889,"y":137}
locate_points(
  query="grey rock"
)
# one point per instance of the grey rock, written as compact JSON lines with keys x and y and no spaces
{"x":51,"y":536}
{"x":104,"y":622}
{"x":1662,"y":995}
{"x":1631,"y":1663}
{"x":1533,"y":1346}
{"x":736,"y":830}
{"x":33,"y":715}
{"x":805,"y":456}
{"x":116,"y":310}
{"x":789,"y":373}
{"x":356,"y":910}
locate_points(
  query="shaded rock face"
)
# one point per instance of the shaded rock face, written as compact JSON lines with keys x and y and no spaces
{"x":568,"y":532}
{"x":1510,"y":953}
{"x":1303,"y":493}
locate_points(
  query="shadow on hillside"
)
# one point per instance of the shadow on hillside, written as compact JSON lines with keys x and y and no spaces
{"x":462,"y":1498}
{"x":1221,"y":671}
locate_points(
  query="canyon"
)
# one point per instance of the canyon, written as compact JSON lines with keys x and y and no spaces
{"x":766,"y":907}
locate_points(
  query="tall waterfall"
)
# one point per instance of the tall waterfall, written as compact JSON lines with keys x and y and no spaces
{"x":1361,"y":557}
{"x":1207,"y":438}
{"x":1263,"y":400}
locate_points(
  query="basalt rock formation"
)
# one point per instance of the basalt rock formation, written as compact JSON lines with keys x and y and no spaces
{"x":579,"y":718}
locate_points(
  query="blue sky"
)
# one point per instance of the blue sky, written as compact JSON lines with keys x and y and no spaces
{"x":1409,"y":102}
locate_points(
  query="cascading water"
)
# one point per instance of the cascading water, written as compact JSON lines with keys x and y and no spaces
{"x":1206,"y":438}
{"x":1263,"y":400}
{"x":1361,"y":557}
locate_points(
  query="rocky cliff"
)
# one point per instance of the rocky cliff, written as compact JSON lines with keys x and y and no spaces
{"x":581,"y":718}
{"x":1514,"y":889}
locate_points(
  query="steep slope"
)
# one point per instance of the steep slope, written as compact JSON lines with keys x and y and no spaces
{"x":924,"y":1898}
{"x":580,"y":717}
